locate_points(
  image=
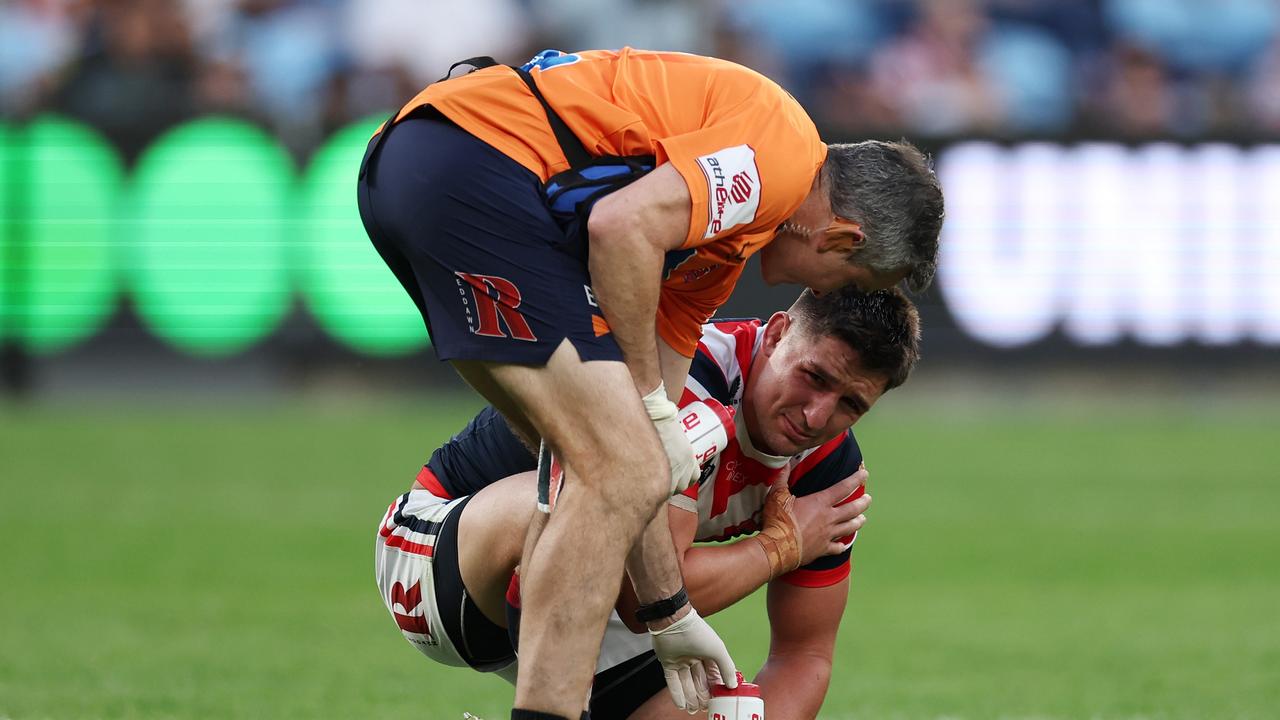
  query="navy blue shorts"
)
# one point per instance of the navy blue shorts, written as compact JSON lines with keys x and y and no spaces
{"x":467,"y":232}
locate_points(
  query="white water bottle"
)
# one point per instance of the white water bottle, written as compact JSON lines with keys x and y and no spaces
{"x":708,"y":425}
{"x":740,"y":703}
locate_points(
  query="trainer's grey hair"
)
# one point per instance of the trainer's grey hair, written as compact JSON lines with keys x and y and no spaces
{"x":889,"y":189}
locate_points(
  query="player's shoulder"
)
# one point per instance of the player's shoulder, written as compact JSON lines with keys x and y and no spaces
{"x":821,"y":467}
{"x":724,"y":353}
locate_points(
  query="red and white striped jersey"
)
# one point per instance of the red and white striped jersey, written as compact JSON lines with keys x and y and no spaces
{"x":729,"y":497}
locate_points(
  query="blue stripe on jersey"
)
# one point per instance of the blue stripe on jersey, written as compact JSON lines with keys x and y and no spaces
{"x":840,"y":464}
{"x":486,"y":451}
{"x":709,"y":375}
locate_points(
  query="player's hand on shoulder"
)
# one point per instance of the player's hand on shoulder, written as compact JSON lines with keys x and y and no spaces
{"x":780,"y":535}
{"x":828,"y":516}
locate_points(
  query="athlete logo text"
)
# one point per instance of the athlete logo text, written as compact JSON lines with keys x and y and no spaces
{"x":721,"y":195}
{"x":494,"y":297}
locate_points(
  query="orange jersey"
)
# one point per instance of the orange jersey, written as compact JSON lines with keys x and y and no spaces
{"x":746,"y":150}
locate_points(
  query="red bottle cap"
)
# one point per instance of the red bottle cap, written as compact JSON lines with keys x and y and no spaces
{"x":744,"y":689}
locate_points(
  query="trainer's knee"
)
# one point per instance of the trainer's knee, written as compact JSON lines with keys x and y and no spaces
{"x":638,"y":494}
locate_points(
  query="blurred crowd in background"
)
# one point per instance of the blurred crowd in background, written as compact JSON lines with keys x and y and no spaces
{"x":925,"y":68}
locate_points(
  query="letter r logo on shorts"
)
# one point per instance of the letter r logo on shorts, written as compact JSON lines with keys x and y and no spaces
{"x":409,"y":600}
{"x":496,"y":297}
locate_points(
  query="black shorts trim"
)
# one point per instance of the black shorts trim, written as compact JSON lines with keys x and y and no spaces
{"x":481,"y":644}
{"x":622,"y":689}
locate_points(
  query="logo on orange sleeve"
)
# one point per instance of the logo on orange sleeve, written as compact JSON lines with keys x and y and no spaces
{"x":733,"y":188}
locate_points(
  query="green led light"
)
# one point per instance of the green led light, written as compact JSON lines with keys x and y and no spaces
{"x":72,"y":191}
{"x":208,"y":264}
{"x":348,"y":287}
{"x":6,"y":227}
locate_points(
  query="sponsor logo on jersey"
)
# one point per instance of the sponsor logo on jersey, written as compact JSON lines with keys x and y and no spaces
{"x":697,"y":273}
{"x":733,"y":188}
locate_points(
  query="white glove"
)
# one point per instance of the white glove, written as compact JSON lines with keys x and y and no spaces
{"x":690,"y":651}
{"x":684,"y":467}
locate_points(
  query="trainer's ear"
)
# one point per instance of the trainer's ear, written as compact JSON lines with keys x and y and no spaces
{"x":777,"y":328}
{"x":844,"y":236}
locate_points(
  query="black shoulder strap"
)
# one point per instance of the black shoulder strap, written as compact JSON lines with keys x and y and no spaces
{"x":570,"y":145}
{"x":478,"y":62}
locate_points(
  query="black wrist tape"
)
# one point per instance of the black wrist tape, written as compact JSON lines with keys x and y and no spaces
{"x":663,"y":608}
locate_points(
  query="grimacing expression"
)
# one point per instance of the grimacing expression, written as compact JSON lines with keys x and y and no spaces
{"x":804,"y":391}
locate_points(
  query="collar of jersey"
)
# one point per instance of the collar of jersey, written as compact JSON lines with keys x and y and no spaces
{"x":749,"y":450}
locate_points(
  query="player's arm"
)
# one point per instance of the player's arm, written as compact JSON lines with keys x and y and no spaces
{"x":802,"y":635}
{"x":718,"y":576}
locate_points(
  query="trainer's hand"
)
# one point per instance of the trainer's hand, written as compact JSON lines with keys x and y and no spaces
{"x":825,"y":522}
{"x":684,"y":467}
{"x":690,"y":652}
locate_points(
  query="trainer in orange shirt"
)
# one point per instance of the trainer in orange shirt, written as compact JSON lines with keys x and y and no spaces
{"x":565,"y":228}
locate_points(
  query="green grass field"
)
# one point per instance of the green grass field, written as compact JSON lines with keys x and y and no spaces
{"x":1020,"y":562}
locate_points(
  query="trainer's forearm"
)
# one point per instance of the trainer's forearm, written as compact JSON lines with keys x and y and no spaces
{"x":718,"y":576}
{"x":652,"y":563}
{"x":794,"y":685}
{"x":626,"y":272}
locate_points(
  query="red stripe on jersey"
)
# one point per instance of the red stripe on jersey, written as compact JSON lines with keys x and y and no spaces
{"x":817,"y":456}
{"x":735,"y":327}
{"x":428,"y":480}
{"x":723,"y":413}
{"x":688,"y":396}
{"x":399,"y":541}
{"x":817,"y":578}
{"x":702,"y":348}
{"x":387,"y":525}
{"x":857,"y":493}
{"x":721,"y":489}
{"x":691,"y":492}
{"x":513,"y":591}
{"x":746,"y":342}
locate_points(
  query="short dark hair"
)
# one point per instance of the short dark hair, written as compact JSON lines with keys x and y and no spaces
{"x":890,"y":189}
{"x":882,"y":327}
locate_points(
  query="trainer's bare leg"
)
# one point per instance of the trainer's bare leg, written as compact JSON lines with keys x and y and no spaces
{"x":592,"y":417}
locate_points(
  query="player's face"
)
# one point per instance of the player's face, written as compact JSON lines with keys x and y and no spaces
{"x":807,"y":390}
